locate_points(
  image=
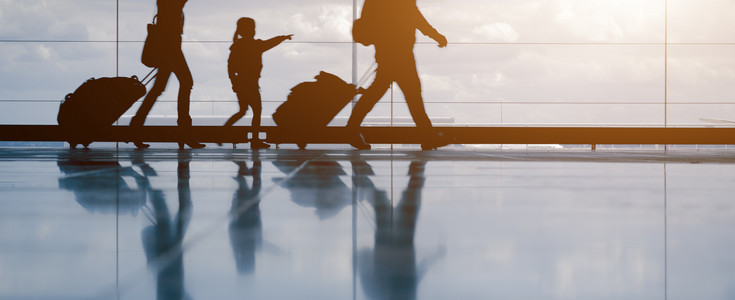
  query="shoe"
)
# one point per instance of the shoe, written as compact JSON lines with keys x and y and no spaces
{"x":186,"y":135}
{"x":141,"y":145}
{"x":136,"y":124}
{"x":258,"y":144}
{"x":358,"y":142}
{"x":193,"y":144}
{"x":437,"y":141}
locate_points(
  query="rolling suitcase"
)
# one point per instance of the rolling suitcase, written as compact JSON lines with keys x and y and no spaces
{"x":313,"y":104}
{"x":95,"y":105}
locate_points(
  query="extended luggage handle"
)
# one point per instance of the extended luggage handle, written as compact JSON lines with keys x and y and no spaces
{"x":145,"y":83}
{"x":365,"y":77}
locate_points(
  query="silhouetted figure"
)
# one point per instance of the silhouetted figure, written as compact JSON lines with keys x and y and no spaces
{"x":162,"y":241}
{"x":389,"y":270}
{"x":391,"y":26}
{"x":317,"y":185}
{"x":246,"y":228}
{"x":244,"y":66}
{"x":170,"y":28}
{"x":98,"y":183}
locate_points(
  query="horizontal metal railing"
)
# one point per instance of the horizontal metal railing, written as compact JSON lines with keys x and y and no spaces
{"x":389,"y":135}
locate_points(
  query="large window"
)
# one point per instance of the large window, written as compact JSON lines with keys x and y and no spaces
{"x":509,"y":63}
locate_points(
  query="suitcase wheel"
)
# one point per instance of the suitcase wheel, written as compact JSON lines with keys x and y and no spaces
{"x":72,"y":145}
{"x":301,"y":146}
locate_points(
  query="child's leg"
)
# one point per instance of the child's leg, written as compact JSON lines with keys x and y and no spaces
{"x":256,"y":105}
{"x":237,"y":116}
{"x":242,"y":100}
{"x":257,"y":109}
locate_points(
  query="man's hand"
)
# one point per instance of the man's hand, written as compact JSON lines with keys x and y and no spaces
{"x":287,"y":37}
{"x":441,"y":39}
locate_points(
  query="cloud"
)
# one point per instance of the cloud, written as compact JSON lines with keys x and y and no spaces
{"x":502,"y":32}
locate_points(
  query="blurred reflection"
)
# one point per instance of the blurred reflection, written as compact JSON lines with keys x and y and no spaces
{"x":99,"y":184}
{"x":246,"y":228}
{"x":389,"y":269}
{"x":317,"y":185}
{"x":162,"y":240}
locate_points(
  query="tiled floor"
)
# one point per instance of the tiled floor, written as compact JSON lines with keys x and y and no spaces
{"x":333,"y":224}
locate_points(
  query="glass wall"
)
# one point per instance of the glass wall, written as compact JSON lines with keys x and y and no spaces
{"x":509,"y":63}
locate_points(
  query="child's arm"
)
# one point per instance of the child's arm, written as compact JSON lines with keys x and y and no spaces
{"x":269,"y":44}
{"x":231,"y":61}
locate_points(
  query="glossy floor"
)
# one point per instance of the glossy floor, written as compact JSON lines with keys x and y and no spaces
{"x":289,"y":224}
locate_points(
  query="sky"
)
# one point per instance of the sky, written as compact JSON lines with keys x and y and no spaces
{"x":510,"y":62}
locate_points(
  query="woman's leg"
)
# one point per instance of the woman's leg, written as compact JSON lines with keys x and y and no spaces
{"x":159,"y":85}
{"x":181,"y":69}
{"x":183,"y":74}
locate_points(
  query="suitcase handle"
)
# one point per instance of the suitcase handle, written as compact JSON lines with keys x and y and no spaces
{"x":149,"y":74}
{"x":366,"y":76}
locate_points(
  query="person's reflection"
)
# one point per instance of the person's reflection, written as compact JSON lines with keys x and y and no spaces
{"x":162,"y":240}
{"x":389,"y":270}
{"x":246,"y":229}
{"x":99,"y":184}
{"x":317,"y":185}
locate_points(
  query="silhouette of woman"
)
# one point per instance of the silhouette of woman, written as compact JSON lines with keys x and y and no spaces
{"x":244,"y":66}
{"x":394,"y":36}
{"x":170,"y":28}
{"x":162,"y":240}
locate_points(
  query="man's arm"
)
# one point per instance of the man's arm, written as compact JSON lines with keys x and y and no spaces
{"x":428,"y":30}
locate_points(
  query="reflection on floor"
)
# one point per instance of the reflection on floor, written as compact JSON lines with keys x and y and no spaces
{"x":333,"y":224}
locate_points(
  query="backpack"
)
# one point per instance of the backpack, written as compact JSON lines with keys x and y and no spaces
{"x":365,"y":29}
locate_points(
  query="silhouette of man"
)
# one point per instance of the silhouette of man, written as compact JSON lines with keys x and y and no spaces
{"x":170,"y":28}
{"x":393,"y":28}
{"x":390,"y":269}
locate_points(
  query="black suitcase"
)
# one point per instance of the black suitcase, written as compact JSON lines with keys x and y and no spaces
{"x":95,"y":105}
{"x":313,"y":104}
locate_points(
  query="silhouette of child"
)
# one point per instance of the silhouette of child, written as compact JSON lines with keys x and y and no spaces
{"x":244,"y":66}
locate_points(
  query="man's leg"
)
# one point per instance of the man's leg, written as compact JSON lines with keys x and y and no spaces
{"x":364,"y":105}
{"x":368,"y":100}
{"x":410,"y":84}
